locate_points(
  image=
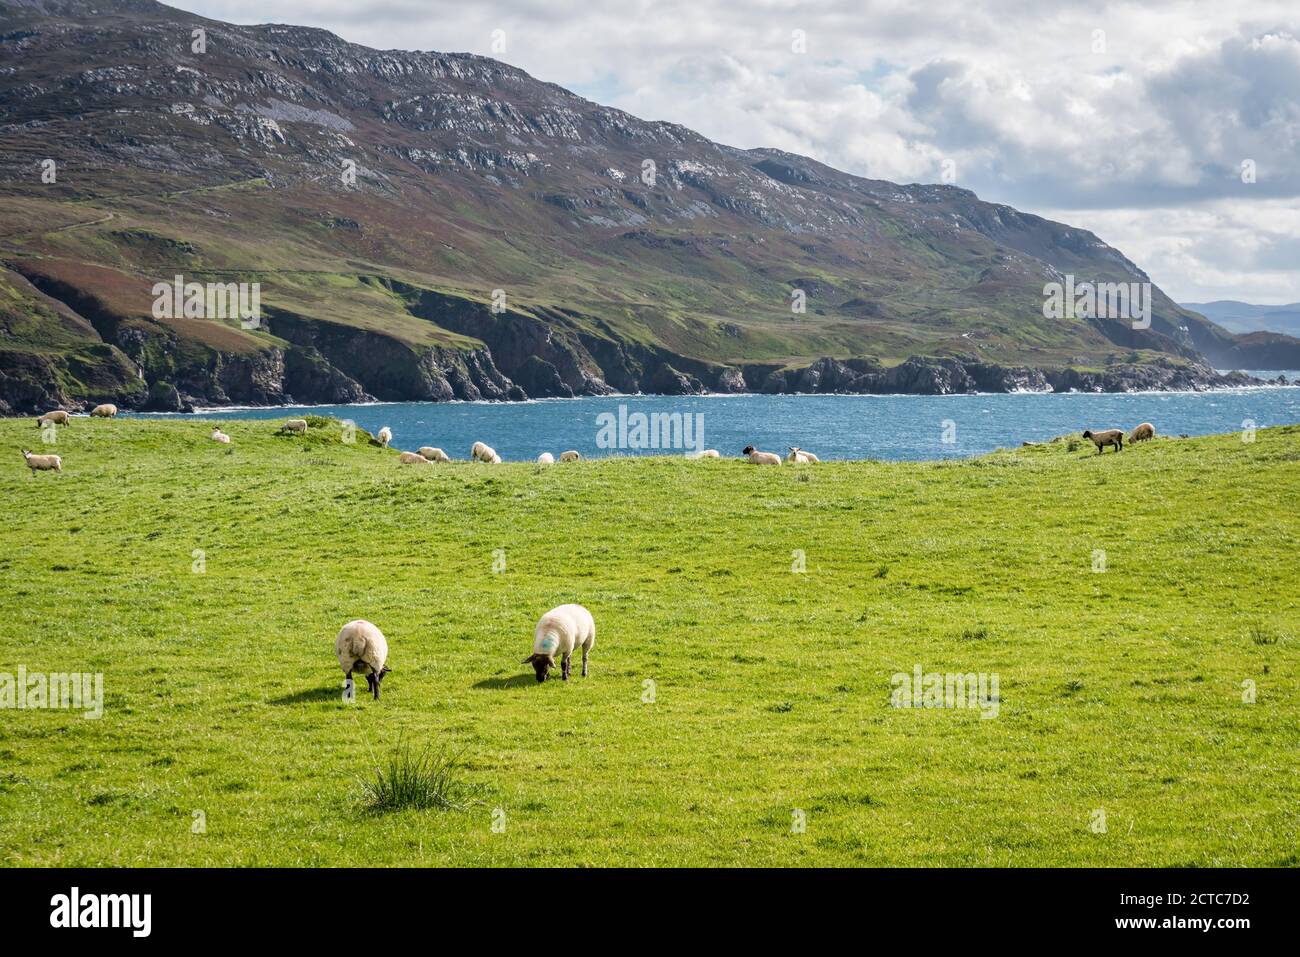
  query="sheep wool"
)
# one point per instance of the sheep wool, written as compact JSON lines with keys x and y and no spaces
{"x":481,"y":452}
{"x":799,"y":456}
{"x":558,"y":633}
{"x":106,"y":411}
{"x":361,"y":647}
{"x":295,"y":426}
{"x":546,"y":458}
{"x":385,"y":436}
{"x":761,"y":458}
{"x":1143,"y":432}
{"x":707,"y":454}
{"x":434,"y":454}
{"x":58,"y":416}
{"x":413,"y":458}
{"x":572,"y":455}
{"x":42,"y":463}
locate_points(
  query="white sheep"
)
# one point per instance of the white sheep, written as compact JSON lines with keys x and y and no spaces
{"x":546,"y":458}
{"x":58,"y":416}
{"x":362,"y":647}
{"x":42,"y":463}
{"x":1142,"y":433}
{"x":558,"y":632}
{"x":707,"y":454}
{"x":571,"y":455}
{"x":385,"y":436}
{"x":295,"y":426}
{"x":412,"y":458}
{"x":219,"y":436}
{"x":799,"y":456}
{"x":106,"y":411}
{"x":761,"y":458}
{"x":434,"y":454}
{"x":481,"y":452}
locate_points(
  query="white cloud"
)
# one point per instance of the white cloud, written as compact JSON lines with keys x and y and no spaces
{"x":1129,"y":118}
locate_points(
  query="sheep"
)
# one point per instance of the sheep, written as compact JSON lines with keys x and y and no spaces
{"x":219,"y":436}
{"x":42,"y":463}
{"x":546,"y":458}
{"x":571,"y":455}
{"x":799,"y":456}
{"x":761,"y":458}
{"x":481,"y":452}
{"x":413,"y":458}
{"x":106,"y":411}
{"x":58,"y":416}
{"x":1113,"y":437}
{"x":385,"y":436}
{"x":558,"y":632}
{"x":1143,"y":432}
{"x":434,"y":454}
{"x":295,"y":426}
{"x":362,"y":647}
{"x":707,"y":454}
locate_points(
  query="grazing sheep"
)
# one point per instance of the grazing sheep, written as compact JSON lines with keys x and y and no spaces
{"x":707,"y":454}
{"x":434,"y":454}
{"x":558,"y":632}
{"x":799,"y":456}
{"x":42,"y":463}
{"x":1143,"y":432}
{"x":413,"y":458}
{"x":58,"y":416}
{"x":295,"y":426}
{"x":385,"y":436}
{"x":761,"y":458}
{"x":219,"y":436}
{"x":546,"y":458}
{"x":362,"y":647}
{"x":570,"y":456}
{"x":1113,"y":437}
{"x":106,"y":411}
{"x":481,"y":452}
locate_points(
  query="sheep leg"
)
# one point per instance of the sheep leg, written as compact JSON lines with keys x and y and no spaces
{"x":584,"y":661}
{"x":564,"y":666}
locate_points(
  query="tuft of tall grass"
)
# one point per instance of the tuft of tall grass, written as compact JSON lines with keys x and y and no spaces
{"x":416,"y":779}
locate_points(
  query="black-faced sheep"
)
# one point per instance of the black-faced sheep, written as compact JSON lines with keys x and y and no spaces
{"x":1113,"y":437}
{"x":558,"y":632}
{"x":362,"y":647}
{"x":761,"y":458}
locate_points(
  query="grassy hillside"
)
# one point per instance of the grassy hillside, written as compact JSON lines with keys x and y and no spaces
{"x":1119,"y":691}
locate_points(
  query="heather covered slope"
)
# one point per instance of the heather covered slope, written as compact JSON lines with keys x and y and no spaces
{"x":471,"y":176}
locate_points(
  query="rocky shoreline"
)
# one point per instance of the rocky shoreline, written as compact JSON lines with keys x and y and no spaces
{"x":304,"y":375}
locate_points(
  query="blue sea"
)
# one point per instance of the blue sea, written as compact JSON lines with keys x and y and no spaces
{"x":892,"y":427}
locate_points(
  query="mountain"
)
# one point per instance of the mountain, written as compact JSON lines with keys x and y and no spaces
{"x":1244,"y":317}
{"x":379,"y":200}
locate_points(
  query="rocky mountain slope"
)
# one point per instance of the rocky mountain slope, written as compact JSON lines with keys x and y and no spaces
{"x":436,"y":226}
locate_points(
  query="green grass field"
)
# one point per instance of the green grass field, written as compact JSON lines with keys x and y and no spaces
{"x":1121,"y":691}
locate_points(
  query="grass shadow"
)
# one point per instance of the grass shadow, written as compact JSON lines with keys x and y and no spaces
{"x":311,"y":694}
{"x":504,"y":684}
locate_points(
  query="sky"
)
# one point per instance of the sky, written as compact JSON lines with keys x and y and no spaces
{"x":1170,"y":129}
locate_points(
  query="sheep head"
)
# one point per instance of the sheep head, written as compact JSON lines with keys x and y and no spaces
{"x":542,"y":664}
{"x":748,"y":449}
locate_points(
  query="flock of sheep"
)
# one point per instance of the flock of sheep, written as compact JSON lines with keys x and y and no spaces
{"x":361,"y":647}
